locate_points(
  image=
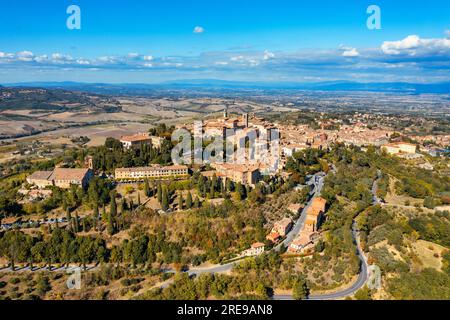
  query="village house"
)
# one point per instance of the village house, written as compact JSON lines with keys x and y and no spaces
{"x":314,"y":214}
{"x":300,"y":243}
{"x":255,"y":249}
{"x":40,"y":179}
{"x":61,"y":177}
{"x":282,"y":227}
{"x":155,"y":171}
{"x":139,"y":139}
{"x":273,"y":236}
{"x":295,"y":208}
{"x":239,"y":173}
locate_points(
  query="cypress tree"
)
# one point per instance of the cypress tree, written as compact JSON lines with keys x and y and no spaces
{"x":68,"y":215}
{"x":189,"y":200}
{"x":111,"y":229}
{"x":123,"y":205}
{"x":113,"y":209}
{"x":146,"y":188}
{"x":95,"y":212}
{"x":180,"y":201}
{"x":165,"y":199}
{"x":159,"y":193}
{"x":196,"y":202}
{"x":75,"y":223}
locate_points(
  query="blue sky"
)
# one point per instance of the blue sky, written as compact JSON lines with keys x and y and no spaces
{"x":285,"y":40}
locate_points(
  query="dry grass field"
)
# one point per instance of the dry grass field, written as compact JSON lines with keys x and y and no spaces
{"x":429,"y":253}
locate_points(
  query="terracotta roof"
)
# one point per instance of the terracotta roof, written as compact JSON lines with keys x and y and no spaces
{"x":69,"y":174}
{"x":40,"y":175}
{"x":310,"y":220}
{"x":302,"y":240}
{"x":237,"y":167}
{"x":258,"y":245}
{"x":211,"y":173}
{"x":136,"y":138}
{"x":283,"y":223}
{"x":273,"y":236}
{"x":295,"y":207}
{"x":154,"y":168}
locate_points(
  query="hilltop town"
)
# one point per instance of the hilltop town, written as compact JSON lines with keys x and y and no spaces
{"x":312,"y":204}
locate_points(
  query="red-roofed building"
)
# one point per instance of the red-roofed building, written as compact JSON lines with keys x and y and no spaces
{"x":273,"y":236}
{"x":256,"y":249}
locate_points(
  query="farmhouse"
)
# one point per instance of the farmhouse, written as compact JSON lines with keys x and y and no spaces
{"x":141,"y":138}
{"x":61,"y":177}
{"x":256,"y":249}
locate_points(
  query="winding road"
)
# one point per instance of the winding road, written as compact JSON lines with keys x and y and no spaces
{"x":318,"y":181}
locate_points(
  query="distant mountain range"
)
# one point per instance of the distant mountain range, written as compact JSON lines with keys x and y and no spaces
{"x":213,"y":84}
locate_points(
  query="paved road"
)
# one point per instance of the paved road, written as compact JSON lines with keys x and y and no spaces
{"x":376,"y":200}
{"x":363,"y":275}
{"x":358,"y":284}
{"x":53,"y":269}
{"x":318,"y":181}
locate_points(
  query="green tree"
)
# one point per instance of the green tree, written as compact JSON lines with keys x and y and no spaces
{"x":300,"y":289}
{"x":363,"y":294}
{"x":196,"y":202}
{"x":180,"y":201}
{"x":111,"y":227}
{"x":189,"y":200}
{"x":146,"y":188}
{"x":165,"y":198}
{"x":113,"y":208}
{"x":159,"y":193}
{"x":261,"y":290}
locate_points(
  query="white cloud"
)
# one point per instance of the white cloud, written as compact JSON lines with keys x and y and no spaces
{"x":348,"y":51}
{"x":83,"y":62}
{"x":447,"y":34}
{"x":268,"y":55}
{"x":148,"y":65}
{"x":413,"y":45}
{"x":221,"y":63}
{"x":148,"y":58}
{"x":237,"y":58}
{"x":41,"y":59}
{"x":61,"y":58}
{"x":107,"y":59}
{"x":25,"y":56}
{"x":199,"y":29}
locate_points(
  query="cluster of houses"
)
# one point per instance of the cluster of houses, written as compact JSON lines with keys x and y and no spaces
{"x":304,"y":240}
{"x":308,"y":235}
